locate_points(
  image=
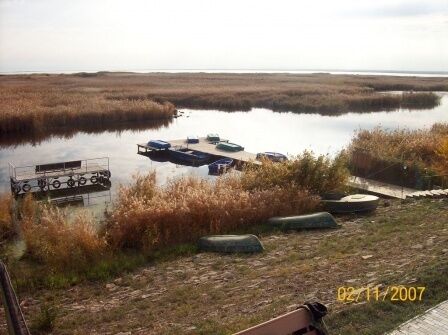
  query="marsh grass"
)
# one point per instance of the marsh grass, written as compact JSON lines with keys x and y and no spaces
{"x":7,"y":229}
{"x":148,"y":217}
{"x":47,"y":103}
{"x":424,"y":148}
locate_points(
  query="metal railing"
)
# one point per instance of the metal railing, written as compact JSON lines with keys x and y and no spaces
{"x":14,"y":316}
{"x":86,"y":165}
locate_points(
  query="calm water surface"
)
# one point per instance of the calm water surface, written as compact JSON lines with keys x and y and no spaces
{"x":257,"y":130}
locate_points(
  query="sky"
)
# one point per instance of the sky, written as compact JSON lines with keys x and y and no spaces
{"x":96,"y":35}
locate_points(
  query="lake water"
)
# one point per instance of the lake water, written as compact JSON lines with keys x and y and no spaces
{"x":257,"y":130}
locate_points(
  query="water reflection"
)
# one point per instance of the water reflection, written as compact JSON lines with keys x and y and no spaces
{"x":36,"y":138}
{"x":258,"y":130}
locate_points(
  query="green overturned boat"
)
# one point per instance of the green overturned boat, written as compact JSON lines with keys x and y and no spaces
{"x":311,"y":221}
{"x":227,"y":146}
{"x":230,"y":244}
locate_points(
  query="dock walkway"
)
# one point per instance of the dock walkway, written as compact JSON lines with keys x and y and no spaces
{"x":379,"y":188}
{"x":203,"y":146}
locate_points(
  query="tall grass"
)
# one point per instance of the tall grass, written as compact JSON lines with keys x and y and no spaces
{"x":46,"y":103}
{"x":149,"y":217}
{"x":316,"y":174}
{"x":7,"y":229}
{"x":37,"y":109}
{"x":384,"y":154}
{"x":415,"y":146}
{"x":55,"y":241}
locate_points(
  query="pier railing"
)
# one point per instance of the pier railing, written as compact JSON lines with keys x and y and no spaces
{"x":41,"y":170}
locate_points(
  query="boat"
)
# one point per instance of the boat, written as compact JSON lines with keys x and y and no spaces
{"x":230,"y":243}
{"x":159,"y":145}
{"x":319,"y":220}
{"x":214,"y":138}
{"x":354,"y":203}
{"x":272,"y":156}
{"x":220,"y":166}
{"x":192,"y":139}
{"x":227,"y":146}
{"x":189,"y":156}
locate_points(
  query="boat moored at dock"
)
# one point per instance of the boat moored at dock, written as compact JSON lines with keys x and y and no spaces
{"x":220,"y":166}
{"x":272,"y":156}
{"x":189,"y":156}
{"x":231,"y":147}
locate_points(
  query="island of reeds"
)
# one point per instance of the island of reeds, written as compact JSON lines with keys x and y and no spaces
{"x":45,"y":104}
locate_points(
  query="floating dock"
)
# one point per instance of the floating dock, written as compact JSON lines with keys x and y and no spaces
{"x":52,"y":176}
{"x":204,"y":146}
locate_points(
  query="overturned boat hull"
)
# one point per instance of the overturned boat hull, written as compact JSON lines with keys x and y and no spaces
{"x":320,"y":220}
{"x":356,"y":203}
{"x":230,"y":244}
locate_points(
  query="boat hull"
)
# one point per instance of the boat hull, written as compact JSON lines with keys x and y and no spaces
{"x":320,"y":220}
{"x":357,"y":203}
{"x":230,"y":244}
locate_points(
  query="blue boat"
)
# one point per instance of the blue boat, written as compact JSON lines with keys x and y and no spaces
{"x":220,"y":166}
{"x":159,"y":145}
{"x":190,"y":156}
{"x":192,"y":139}
{"x":272,"y":156}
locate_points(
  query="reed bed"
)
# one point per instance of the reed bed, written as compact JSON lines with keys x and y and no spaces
{"x":30,"y":110}
{"x":426,"y":148}
{"x":7,"y":229}
{"x":54,"y":240}
{"x":45,"y":103}
{"x":148,"y":217}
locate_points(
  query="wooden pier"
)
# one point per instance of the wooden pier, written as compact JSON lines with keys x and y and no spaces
{"x":204,"y":146}
{"x":379,"y":188}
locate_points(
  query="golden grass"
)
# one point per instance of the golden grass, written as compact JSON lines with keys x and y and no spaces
{"x":7,"y":229}
{"x":317,"y":174}
{"x":39,"y":108}
{"x":45,"y":103}
{"x":420,"y":147}
{"x":57,"y":242}
{"x":150,"y":217}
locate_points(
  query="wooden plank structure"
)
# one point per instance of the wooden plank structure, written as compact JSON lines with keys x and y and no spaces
{"x":44,"y":177}
{"x":380,"y":188}
{"x":204,"y":146}
{"x":299,"y":321}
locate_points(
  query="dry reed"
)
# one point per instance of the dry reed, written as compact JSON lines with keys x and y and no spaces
{"x":45,"y":103}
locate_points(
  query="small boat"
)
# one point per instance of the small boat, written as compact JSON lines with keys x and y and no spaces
{"x":272,"y":156}
{"x":220,"y":166}
{"x":227,"y":146}
{"x":192,"y":139}
{"x":230,"y":243}
{"x":311,"y":221}
{"x":159,"y":145}
{"x":214,"y":138}
{"x":354,"y":203}
{"x":190,"y":156}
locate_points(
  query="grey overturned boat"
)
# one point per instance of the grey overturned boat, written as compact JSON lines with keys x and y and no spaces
{"x":230,"y":243}
{"x":355,"y":203}
{"x":311,"y":221}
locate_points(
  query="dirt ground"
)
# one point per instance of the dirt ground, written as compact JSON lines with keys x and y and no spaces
{"x":219,"y":294}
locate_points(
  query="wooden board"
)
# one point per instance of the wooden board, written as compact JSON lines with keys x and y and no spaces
{"x":380,"y":188}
